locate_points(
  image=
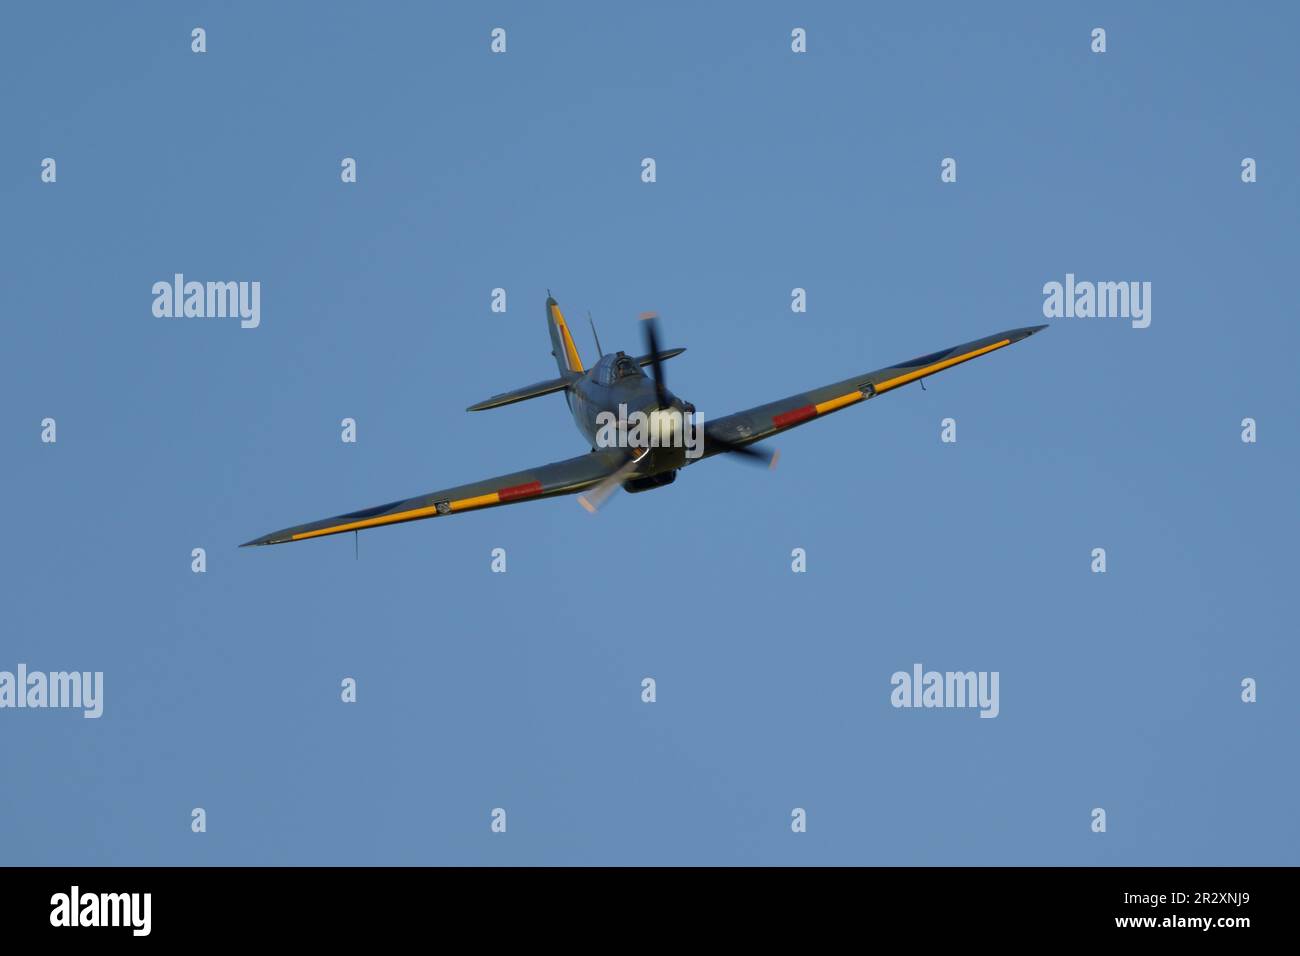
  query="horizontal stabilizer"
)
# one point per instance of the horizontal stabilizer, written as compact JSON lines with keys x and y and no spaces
{"x":664,"y":356}
{"x":535,"y":390}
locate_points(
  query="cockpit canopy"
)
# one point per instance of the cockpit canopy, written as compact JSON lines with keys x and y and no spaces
{"x":619,"y":367}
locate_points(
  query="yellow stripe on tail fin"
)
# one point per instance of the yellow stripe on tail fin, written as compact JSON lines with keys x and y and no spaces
{"x":562,"y":345}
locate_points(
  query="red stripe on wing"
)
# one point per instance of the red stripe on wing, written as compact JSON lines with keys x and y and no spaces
{"x":797,"y":415}
{"x":520,"y":491}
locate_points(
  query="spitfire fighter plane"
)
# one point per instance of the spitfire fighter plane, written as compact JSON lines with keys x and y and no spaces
{"x":617,"y":384}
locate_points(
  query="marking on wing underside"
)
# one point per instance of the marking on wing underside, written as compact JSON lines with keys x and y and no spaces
{"x":521,"y":491}
{"x":794,"y":415}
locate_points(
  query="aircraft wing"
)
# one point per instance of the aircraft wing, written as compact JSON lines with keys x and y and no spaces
{"x":560,"y":478}
{"x":763,"y":421}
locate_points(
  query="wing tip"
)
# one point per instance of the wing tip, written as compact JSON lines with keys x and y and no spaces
{"x":265,"y":540}
{"x":1019,"y":335}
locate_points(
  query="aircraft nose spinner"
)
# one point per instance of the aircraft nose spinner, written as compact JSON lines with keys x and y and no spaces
{"x":666,"y":426}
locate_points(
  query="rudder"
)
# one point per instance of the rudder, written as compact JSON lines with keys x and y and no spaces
{"x":563,"y":347}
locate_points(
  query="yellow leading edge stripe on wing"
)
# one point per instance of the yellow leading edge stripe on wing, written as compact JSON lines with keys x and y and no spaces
{"x":840,"y":402}
{"x":464,"y":504}
{"x":368,"y":522}
{"x":570,"y":350}
{"x":832,"y":404}
{"x":913,"y":375}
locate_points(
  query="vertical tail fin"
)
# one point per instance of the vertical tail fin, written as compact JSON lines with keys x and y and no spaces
{"x":562,"y":345}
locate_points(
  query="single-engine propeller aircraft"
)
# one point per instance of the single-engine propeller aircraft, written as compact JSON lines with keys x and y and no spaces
{"x":617,"y":381}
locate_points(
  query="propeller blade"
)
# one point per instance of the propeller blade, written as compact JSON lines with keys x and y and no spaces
{"x":651,"y":331}
{"x":753,"y":454}
{"x":592,"y":500}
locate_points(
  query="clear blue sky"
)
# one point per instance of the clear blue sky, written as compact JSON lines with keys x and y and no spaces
{"x":522,"y":690}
